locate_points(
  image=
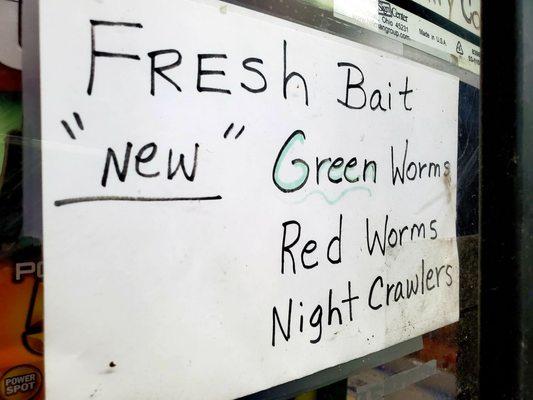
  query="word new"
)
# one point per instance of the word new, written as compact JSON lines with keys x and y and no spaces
{"x":144,"y":156}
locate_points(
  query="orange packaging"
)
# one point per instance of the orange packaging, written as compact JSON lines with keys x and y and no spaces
{"x":21,"y":297}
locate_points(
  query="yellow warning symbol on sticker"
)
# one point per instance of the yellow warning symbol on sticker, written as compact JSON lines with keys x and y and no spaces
{"x":459,"y":48}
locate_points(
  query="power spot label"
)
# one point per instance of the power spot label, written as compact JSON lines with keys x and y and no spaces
{"x":21,"y":383}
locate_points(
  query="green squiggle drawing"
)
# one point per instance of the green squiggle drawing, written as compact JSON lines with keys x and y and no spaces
{"x":335,"y":200}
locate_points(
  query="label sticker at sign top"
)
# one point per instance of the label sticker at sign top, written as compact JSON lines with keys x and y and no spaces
{"x":407,"y":27}
{"x":465,"y":13}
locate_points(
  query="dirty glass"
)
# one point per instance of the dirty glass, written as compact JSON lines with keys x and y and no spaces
{"x":440,"y":365}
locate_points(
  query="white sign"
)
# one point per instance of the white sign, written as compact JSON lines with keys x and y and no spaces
{"x":232,"y":201}
{"x":392,"y":21}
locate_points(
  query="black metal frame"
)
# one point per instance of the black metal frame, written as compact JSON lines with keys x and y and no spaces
{"x":506,"y":201}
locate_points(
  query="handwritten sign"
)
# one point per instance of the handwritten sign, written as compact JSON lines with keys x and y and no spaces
{"x":232,"y":201}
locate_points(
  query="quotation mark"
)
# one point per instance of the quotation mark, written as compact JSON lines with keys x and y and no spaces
{"x":67,"y":126}
{"x":229,"y":130}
